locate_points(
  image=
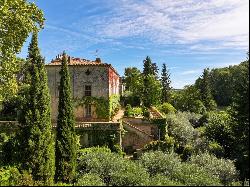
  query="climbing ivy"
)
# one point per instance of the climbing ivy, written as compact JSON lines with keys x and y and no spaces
{"x":101,"y":104}
{"x":114,"y":104}
{"x":105,"y":109}
{"x":161,"y":123}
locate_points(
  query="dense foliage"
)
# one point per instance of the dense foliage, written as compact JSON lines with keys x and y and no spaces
{"x":204,"y":87}
{"x":133,"y":112}
{"x":37,"y":142}
{"x":151,"y":92}
{"x":18,"y":19}
{"x":166,"y":108}
{"x":199,"y":143}
{"x":66,"y":146}
{"x":112,"y":168}
{"x":188,"y":99}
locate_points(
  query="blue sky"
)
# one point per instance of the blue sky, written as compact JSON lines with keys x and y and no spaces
{"x":187,"y":35}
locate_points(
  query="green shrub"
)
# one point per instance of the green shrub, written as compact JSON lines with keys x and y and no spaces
{"x":219,"y":129}
{"x":10,"y":176}
{"x":3,"y":139}
{"x":11,"y":151}
{"x":193,"y":118}
{"x":164,"y":146}
{"x":216,"y":149}
{"x":62,"y":184}
{"x":170,"y":165}
{"x":137,"y":111}
{"x":94,"y":149}
{"x":89,"y":180}
{"x":180,"y":128}
{"x":128,"y":111}
{"x":145,"y":112}
{"x":166,"y":108}
{"x":222,"y":168}
{"x":117,"y":149}
{"x":132,"y":112}
{"x":187,"y":152}
{"x":212,"y":105}
{"x":198,"y":107}
{"x":161,"y":180}
{"x":129,"y":174}
{"x":158,"y":162}
{"x":111,"y":168}
{"x":192,"y":175}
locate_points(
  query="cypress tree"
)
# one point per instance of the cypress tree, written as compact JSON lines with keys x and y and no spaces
{"x":66,"y":146}
{"x":165,"y":82}
{"x":37,"y":142}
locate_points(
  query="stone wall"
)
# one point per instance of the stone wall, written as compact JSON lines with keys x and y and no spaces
{"x":95,"y":76}
{"x":91,"y":133}
{"x":139,"y":133}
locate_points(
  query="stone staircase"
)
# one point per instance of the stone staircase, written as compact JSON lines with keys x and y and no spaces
{"x":154,"y":113}
{"x":136,"y":130}
{"x":135,"y":137}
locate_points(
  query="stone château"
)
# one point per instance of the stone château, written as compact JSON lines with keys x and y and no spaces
{"x":94,"y":86}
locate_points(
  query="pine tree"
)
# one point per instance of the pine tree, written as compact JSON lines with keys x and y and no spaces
{"x":66,"y":146}
{"x":205,"y":90}
{"x":155,"y":70}
{"x":151,"y":93}
{"x":149,"y":68}
{"x":165,"y":82}
{"x":37,"y":143}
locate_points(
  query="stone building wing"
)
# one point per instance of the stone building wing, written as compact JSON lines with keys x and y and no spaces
{"x":88,"y":78}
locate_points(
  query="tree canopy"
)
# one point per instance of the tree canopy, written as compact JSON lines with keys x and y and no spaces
{"x":18,"y":19}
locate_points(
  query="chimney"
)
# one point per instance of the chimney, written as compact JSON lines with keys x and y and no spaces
{"x":98,"y":60}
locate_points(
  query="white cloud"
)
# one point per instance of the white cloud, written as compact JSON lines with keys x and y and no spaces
{"x":225,"y":22}
{"x":189,"y":72}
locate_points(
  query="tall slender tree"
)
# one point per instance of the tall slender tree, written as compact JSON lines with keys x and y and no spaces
{"x":150,"y":68}
{"x":240,"y":108}
{"x":66,"y":146}
{"x":205,"y":90}
{"x":151,"y":93}
{"x":155,"y":70}
{"x":37,"y":144}
{"x":165,"y":83}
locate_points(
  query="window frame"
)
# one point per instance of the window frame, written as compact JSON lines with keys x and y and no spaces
{"x":88,"y":90}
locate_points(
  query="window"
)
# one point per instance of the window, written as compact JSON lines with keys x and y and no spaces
{"x":87,"y":90}
{"x":87,"y":110}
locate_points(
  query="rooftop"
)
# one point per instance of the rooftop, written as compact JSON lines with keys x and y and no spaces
{"x":72,"y":61}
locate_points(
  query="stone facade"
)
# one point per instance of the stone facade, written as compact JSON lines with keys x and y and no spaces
{"x":88,"y":78}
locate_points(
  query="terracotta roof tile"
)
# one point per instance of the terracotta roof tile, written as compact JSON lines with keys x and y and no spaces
{"x":79,"y":61}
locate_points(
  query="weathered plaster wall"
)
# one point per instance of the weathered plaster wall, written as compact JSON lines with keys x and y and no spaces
{"x":113,"y":83}
{"x":96,"y":76}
